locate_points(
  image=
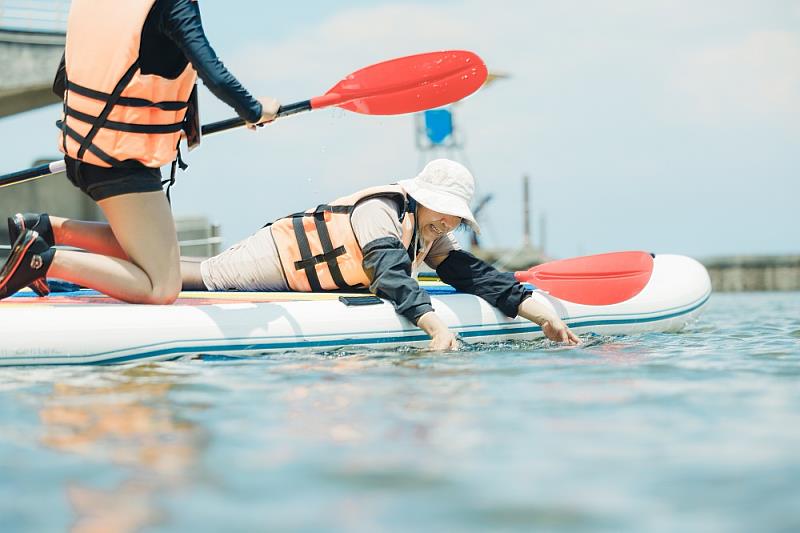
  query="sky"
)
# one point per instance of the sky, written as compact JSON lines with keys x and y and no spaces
{"x":668,"y":126}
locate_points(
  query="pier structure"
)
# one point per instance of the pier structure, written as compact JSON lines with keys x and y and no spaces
{"x":32,"y":36}
{"x":754,"y":273}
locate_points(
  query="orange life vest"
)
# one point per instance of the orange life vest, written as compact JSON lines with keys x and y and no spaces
{"x":318,"y":249}
{"x":114,"y":114}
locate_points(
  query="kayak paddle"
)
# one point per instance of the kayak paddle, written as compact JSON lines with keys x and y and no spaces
{"x":402,"y":85}
{"x":601,"y":279}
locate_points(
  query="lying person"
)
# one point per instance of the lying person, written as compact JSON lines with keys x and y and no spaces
{"x":378,"y":238}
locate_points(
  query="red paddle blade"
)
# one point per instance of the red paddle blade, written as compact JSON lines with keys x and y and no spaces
{"x":594,"y":279}
{"x":408,"y":84}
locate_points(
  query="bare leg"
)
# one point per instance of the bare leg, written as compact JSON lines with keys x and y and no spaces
{"x":94,"y":237}
{"x":191,"y":275}
{"x":145,"y":231}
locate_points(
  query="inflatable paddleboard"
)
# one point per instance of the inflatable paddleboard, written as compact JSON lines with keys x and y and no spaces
{"x":86,"y":327}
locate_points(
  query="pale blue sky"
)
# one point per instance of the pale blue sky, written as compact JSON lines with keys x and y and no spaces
{"x":671,"y":126}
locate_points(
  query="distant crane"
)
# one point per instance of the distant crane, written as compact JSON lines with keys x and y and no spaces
{"x":476,"y":210}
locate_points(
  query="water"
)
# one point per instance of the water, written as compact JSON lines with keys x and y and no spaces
{"x":698,"y":431}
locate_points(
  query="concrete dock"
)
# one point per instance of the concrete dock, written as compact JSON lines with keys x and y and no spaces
{"x":754,"y":273}
{"x":28,"y":63}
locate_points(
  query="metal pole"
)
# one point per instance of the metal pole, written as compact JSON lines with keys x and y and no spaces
{"x":526,"y":212}
{"x":542,"y":233}
{"x":216,"y":239}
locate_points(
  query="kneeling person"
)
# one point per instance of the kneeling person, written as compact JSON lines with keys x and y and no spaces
{"x":378,"y":238}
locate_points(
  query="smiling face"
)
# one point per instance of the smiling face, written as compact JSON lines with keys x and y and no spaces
{"x":433,"y":224}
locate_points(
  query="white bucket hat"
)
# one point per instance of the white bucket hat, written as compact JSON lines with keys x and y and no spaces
{"x":446,"y":187}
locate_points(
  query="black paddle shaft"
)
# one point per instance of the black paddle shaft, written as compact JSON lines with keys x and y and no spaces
{"x":231,"y":123}
{"x":208,"y":129}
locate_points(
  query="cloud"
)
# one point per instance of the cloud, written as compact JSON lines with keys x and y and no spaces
{"x":755,"y":78}
{"x":351,"y":39}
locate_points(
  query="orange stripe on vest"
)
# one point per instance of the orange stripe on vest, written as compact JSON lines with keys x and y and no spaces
{"x":103,"y":40}
{"x":311,"y":264}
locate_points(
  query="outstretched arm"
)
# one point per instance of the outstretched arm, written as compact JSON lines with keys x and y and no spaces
{"x":388,"y":267}
{"x":552,"y":326}
{"x":469,"y":274}
{"x":182,"y":23}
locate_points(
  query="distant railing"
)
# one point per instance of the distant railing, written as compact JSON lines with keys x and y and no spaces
{"x":38,"y":16}
{"x":212,"y":244}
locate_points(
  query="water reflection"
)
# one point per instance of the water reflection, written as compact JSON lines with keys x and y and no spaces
{"x":680,"y":431}
{"x":128,"y":422}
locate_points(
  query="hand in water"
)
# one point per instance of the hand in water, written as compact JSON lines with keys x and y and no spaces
{"x":442,"y":338}
{"x":445,"y":341}
{"x":555,"y":330}
{"x":552,"y":326}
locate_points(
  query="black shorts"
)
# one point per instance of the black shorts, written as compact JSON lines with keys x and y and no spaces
{"x":100,"y":183}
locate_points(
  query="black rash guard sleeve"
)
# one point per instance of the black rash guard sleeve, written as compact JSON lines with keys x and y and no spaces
{"x":388,"y":268}
{"x":182,"y":23}
{"x":469,"y":274}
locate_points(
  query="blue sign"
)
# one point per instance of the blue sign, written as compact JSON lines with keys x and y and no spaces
{"x":438,"y":125}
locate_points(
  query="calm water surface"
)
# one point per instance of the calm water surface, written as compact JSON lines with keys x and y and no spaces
{"x":698,"y":431}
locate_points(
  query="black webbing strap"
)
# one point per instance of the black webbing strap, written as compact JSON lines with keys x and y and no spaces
{"x":329,"y":254}
{"x":124,"y":126}
{"x":124,"y":100}
{"x":411,"y":207}
{"x":307,"y":263}
{"x":178,"y":162}
{"x":319,"y":259}
{"x":110,"y":103}
{"x":112,"y":161}
{"x":338,"y":209}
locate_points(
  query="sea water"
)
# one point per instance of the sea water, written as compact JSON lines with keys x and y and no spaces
{"x":697,"y":431}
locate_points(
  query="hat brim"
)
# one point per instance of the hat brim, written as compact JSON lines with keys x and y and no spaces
{"x":441,"y":202}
